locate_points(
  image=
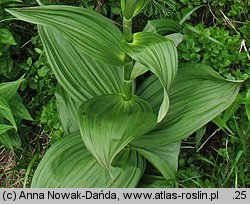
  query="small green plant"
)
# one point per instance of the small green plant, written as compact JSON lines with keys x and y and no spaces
{"x":224,"y":58}
{"x":113,"y":127}
{"x":12,"y":111}
{"x":6,"y":40}
{"x":50,"y":121}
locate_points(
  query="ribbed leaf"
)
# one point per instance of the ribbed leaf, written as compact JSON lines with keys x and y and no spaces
{"x":67,"y":109}
{"x":108,"y":123}
{"x":68,"y":164}
{"x":197,"y":95}
{"x":151,"y":91}
{"x":94,"y":34}
{"x":177,"y":38}
{"x":162,"y":26}
{"x":4,"y":128}
{"x":138,"y":70}
{"x":164,"y":158}
{"x":6,"y":112}
{"x":80,"y":75}
{"x":158,"y":55}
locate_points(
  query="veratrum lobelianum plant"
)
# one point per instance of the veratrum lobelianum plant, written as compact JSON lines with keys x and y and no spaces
{"x":112,"y":126}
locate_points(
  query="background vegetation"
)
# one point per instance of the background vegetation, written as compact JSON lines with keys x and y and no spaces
{"x":216,"y":32}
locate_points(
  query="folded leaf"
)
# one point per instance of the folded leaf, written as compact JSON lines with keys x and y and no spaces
{"x":177,"y":38}
{"x":162,"y":26}
{"x":108,"y":123}
{"x":79,"y":75}
{"x":138,"y":70}
{"x":158,"y":55}
{"x":68,"y":164}
{"x":151,"y":91}
{"x":197,"y":95}
{"x":164,"y":158}
{"x":87,"y":30}
{"x":67,"y":109}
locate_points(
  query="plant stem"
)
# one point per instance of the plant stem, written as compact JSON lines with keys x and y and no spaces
{"x":127,"y":30}
{"x":127,"y":82}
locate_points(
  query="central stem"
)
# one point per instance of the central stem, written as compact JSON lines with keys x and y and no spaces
{"x":127,"y":82}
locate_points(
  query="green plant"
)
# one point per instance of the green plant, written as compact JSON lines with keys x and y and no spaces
{"x":6,"y":40}
{"x":12,"y":111}
{"x":50,"y":121}
{"x":224,"y":57}
{"x":112,"y":126}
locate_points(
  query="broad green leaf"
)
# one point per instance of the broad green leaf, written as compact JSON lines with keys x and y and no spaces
{"x":162,"y":26}
{"x":80,"y":75}
{"x":166,"y":27}
{"x":8,"y":90}
{"x":18,"y":109}
{"x":197,"y":96}
{"x":67,"y":109}
{"x":138,"y":70}
{"x":231,"y":110}
{"x":131,"y":8}
{"x":109,"y":123}
{"x":4,"y":128}
{"x":151,"y":91}
{"x":68,"y":164}
{"x":87,"y":30}
{"x":6,"y":112}
{"x":164,"y":158}
{"x":158,"y":55}
{"x":6,"y":37}
{"x":177,"y":38}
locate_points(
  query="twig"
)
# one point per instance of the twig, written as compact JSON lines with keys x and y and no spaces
{"x":118,"y":24}
{"x":213,"y":13}
{"x":228,"y":21}
{"x":207,"y":140}
{"x":244,"y":47}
